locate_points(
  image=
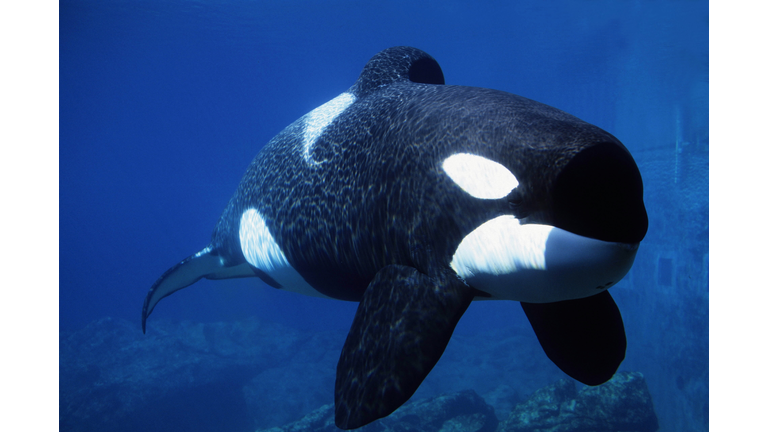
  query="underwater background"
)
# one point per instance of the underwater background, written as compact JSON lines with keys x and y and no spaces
{"x":163,"y":104}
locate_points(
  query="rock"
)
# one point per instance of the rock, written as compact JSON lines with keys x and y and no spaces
{"x":252,"y":374}
{"x":319,"y":420}
{"x":464,"y":411}
{"x":622,"y":404}
{"x":499,"y":364}
{"x":297,"y":386}
{"x":183,"y":376}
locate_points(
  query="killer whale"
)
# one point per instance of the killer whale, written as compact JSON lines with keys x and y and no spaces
{"x":415,"y":198}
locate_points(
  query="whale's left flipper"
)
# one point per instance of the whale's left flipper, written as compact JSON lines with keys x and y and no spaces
{"x":583,"y":337}
{"x":400,"y":330}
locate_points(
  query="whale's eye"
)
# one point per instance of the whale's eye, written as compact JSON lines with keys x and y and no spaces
{"x":480,"y":177}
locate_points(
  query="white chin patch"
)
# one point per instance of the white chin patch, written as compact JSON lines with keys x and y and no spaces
{"x":262,"y":252}
{"x":538,"y":263}
{"x":480,"y":177}
{"x":501,"y":246}
{"x":319,"y":118}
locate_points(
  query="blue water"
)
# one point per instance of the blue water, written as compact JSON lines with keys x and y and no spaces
{"x":164,"y":103}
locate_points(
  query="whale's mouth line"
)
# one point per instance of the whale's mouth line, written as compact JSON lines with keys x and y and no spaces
{"x":627,"y":246}
{"x":630,"y":247}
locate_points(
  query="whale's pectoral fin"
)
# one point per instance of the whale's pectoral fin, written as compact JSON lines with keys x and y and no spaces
{"x":583,"y":337}
{"x":401,"y":329}
{"x":204,"y":264}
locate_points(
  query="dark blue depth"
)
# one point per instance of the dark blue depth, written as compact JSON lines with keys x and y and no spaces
{"x":163,"y":104}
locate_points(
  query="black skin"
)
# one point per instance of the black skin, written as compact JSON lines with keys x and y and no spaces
{"x":368,"y":215}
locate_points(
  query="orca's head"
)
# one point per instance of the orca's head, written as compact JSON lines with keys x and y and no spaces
{"x":573,"y":220}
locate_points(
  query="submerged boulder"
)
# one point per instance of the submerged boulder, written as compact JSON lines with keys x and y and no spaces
{"x":621,"y":404}
{"x":251,"y":374}
{"x":464,"y":411}
{"x":181,"y":376}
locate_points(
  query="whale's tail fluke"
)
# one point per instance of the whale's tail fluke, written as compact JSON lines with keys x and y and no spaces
{"x":205,"y":264}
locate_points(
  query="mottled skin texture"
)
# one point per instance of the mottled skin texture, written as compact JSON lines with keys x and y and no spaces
{"x":378,"y":195}
{"x":369,"y":215}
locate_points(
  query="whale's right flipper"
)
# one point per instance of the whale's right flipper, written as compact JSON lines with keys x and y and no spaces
{"x":583,"y":337}
{"x":400,"y":330}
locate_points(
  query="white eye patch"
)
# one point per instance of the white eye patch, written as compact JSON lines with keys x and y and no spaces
{"x":480,"y":177}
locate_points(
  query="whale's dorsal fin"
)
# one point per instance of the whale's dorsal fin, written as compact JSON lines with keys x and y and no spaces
{"x":397,"y":64}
